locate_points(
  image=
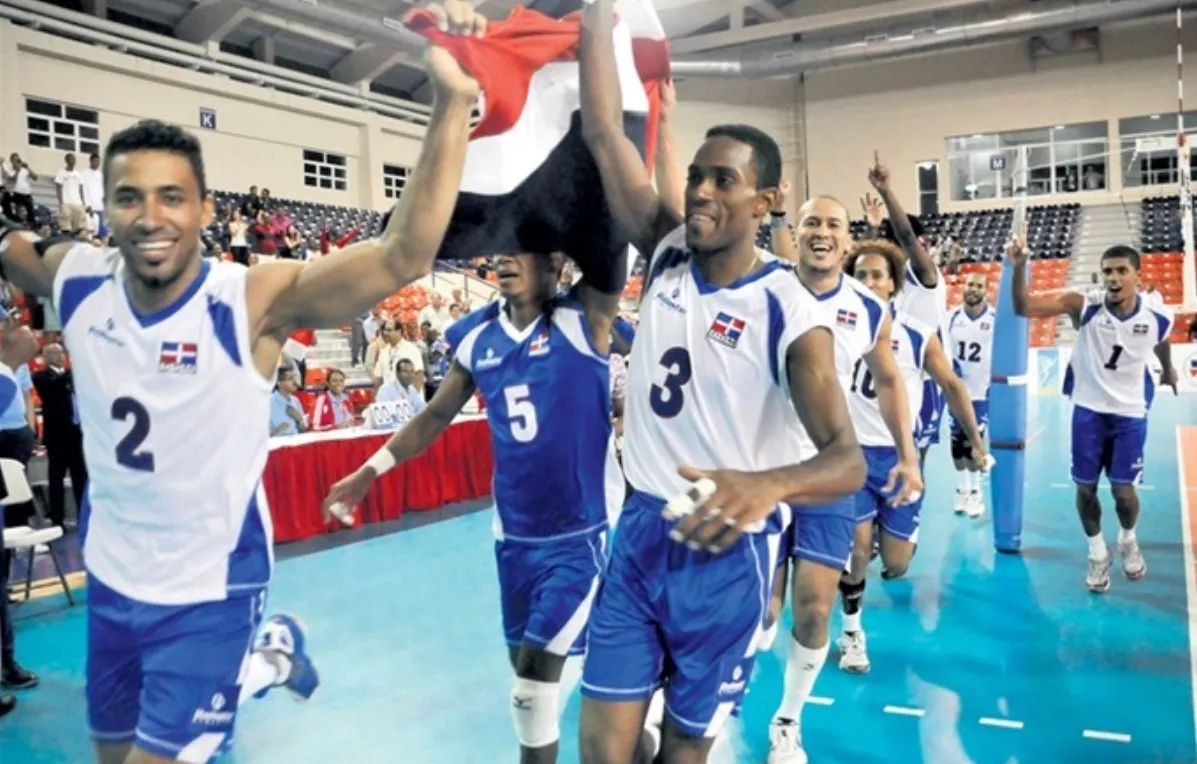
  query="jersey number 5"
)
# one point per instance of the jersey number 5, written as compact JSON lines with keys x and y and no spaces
{"x":667,"y":398}
{"x":521,"y":414}
{"x":127,"y":453}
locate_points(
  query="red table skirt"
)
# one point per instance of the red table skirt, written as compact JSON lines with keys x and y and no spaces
{"x":457,"y":467}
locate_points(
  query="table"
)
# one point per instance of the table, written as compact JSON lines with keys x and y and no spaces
{"x":301,"y":468}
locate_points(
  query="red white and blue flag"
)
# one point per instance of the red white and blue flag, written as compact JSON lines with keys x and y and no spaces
{"x":845,"y":318}
{"x":539,"y":345}
{"x":530,"y":183}
{"x":726,"y":329}
{"x":178,"y":356}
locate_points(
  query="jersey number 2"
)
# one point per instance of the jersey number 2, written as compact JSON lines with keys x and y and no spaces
{"x":667,"y":398}
{"x":521,"y":414}
{"x":127,"y":453}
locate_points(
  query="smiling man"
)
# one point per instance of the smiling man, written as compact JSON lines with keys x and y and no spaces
{"x":1111,"y":389}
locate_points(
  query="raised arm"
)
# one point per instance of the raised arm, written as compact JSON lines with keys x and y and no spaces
{"x":920,"y":260}
{"x":894,"y":403}
{"x":643,"y":218}
{"x":334,"y":290}
{"x":1042,"y":304}
{"x":28,"y":261}
{"x":409,"y":442}
{"x":667,"y":169}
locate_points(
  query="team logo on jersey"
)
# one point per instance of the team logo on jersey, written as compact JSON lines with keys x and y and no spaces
{"x":985,"y":326}
{"x":107,"y":333}
{"x":540,"y":344}
{"x":671,"y":301}
{"x":178,"y":357}
{"x":1140,"y":329}
{"x":726,"y":330}
{"x":845,"y":318}
{"x":489,"y":360}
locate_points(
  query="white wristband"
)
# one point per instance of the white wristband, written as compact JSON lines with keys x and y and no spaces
{"x":382,"y":462}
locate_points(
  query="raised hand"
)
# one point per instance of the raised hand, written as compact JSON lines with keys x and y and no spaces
{"x":879,"y":174}
{"x":874,"y":210}
{"x":453,"y":17}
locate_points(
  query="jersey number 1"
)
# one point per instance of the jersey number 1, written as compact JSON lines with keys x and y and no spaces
{"x":127,"y":453}
{"x":1116,"y":353}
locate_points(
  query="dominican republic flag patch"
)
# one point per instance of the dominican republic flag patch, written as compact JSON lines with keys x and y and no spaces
{"x":1139,"y":329}
{"x":726,"y":329}
{"x":845,"y":318}
{"x":540,"y":344}
{"x":1193,"y":367}
{"x":178,"y":357}
{"x":530,"y":183}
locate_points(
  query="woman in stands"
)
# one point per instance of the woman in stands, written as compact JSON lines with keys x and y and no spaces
{"x":333,"y":409}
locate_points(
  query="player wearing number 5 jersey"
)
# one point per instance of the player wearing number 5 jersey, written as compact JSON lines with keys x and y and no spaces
{"x":970,"y":343}
{"x":1110,"y":383}
{"x":730,"y":345}
{"x":174,"y":360}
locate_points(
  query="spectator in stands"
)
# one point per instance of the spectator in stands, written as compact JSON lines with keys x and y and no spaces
{"x":16,"y":176}
{"x":264,"y":240}
{"x":16,"y":442}
{"x":1094,"y":278}
{"x":382,"y":356}
{"x":460,"y":300}
{"x":286,"y":412}
{"x":333,"y":409}
{"x":93,"y":195}
{"x":72,"y":215}
{"x":251,"y":205}
{"x":293,"y":246}
{"x":436,"y":312}
{"x":1193,"y":330}
{"x":436,"y":360}
{"x":238,"y":232}
{"x":61,"y":435}
{"x":455,"y":312}
{"x":403,"y":387}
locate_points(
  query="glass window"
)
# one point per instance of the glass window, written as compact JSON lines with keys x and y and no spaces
{"x":1061,"y":159}
{"x":65,"y":128}
{"x":394,"y":178}
{"x":322,"y":169}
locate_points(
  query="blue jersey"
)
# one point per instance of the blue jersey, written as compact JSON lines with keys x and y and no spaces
{"x":548,"y":399}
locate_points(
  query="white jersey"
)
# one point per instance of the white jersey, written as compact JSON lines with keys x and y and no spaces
{"x":707,"y":379}
{"x":909,"y":339}
{"x":970,"y":344}
{"x":1109,"y":369}
{"x":856,"y":314}
{"x":926,"y":305}
{"x":175,"y":422}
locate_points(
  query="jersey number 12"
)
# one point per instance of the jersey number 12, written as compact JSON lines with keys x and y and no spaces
{"x":968,"y":352}
{"x":127,"y":450}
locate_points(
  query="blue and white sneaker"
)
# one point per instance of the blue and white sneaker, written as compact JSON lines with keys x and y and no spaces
{"x":284,"y":638}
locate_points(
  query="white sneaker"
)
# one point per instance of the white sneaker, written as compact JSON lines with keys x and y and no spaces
{"x":854,"y":656}
{"x":961,"y":501}
{"x":1133,"y":564}
{"x":975,"y":507}
{"x":1098,"y":579}
{"x":785,"y":743}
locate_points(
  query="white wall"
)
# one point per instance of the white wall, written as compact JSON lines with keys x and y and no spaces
{"x":261,"y":132}
{"x":906,"y":108}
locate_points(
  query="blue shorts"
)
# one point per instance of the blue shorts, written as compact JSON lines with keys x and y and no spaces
{"x":961,"y":448}
{"x":926,"y":430}
{"x":167,"y":677}
{"x":666,"y":612}
{"x":547,"y":588}
{"x":1107,"y":442}
{"x":824,"y":534}
{"x":873,"y":502}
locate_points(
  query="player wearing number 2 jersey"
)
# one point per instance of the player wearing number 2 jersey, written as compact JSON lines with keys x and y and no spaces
{"x":174,"y":360}
{"x":729,"y":345}
{"x":1111,"y":387}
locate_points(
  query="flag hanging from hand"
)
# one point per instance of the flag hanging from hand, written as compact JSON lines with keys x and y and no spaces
{"x":530,"y":183}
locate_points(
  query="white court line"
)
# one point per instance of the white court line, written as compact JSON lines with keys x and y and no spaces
{"x":1009,"y":724}
{"x":1190,"y":574}
{"x":1110,"y":737}
{"x":904,"y":711}
{"x":818,"y":701}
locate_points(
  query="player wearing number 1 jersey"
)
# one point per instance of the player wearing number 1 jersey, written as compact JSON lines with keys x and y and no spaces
{"x":174,"y":359}
{"x":970,"y":342}
{"x":729,"y":346}
{"x":1111,"y":386}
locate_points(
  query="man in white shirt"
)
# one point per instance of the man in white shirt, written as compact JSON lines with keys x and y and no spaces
{"x":16,"y":176}
{"x":93,"y":195}
{"x":435,"y":313}
{"x":403,"y":387}
{"x":72,"y":216}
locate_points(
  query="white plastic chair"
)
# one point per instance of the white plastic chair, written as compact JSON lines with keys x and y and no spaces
{"x":24,"y":538}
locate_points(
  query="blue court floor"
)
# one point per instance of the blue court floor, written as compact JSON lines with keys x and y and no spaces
{"x":977,"y":657}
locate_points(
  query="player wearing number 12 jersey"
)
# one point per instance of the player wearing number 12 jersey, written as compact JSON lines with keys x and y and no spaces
{"x":1111,"y":387}
{"x":970,"y":342}
{"x":729,"y":345}
{"x":174,"y":359}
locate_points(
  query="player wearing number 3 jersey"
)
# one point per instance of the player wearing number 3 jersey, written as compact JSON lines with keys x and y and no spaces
{"x":174,"y":360}
{"x":1111,"y":387}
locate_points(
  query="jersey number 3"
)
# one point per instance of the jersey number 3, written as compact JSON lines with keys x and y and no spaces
{"x":521,"y":414}
{"x":667,"y":398}
{"x":127,"y":453}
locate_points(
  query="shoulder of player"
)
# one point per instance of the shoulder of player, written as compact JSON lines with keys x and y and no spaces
{"x":866,"y":295}
{"x":913,"y":324}
{"x":457,"y":331}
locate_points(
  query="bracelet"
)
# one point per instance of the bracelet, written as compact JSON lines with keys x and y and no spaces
{"x":779,"y":222}
{"x":777,"y":213}
{"x":382,"y":462}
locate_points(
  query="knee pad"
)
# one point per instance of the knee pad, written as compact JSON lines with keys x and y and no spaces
{"x":534,"y":710}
